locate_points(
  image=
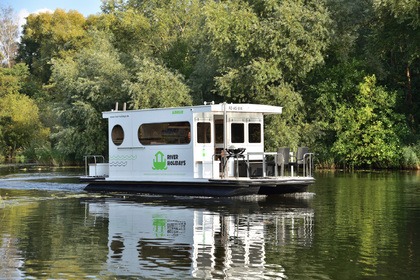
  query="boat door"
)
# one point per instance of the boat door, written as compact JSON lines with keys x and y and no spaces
{"x":206,"y":165}
{"x":219,"y":134}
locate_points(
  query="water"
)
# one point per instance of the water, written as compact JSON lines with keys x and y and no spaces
{"x":348,"y":226}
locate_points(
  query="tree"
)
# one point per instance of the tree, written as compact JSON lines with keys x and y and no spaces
{"x":166,"y":31}
{"x":367,"y":133}
{"x":51,"y":35}
{"x":395,"y":43}
{"x":84,"y":86}
{"x":9,"y":33}
{"x":264,"y":49}
{"x":155,"y":86}
{"x":20,"y":126}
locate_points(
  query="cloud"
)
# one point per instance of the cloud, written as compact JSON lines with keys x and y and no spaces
{"x":23,"y":14}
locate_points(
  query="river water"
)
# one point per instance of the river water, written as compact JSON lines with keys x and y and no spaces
{"x":347,"y":226}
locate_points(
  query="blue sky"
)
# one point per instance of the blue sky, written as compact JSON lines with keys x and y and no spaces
{"x":23,"y":8}
{"x":86,"y":7}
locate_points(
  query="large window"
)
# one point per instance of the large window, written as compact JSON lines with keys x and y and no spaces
{"x":117,"y":135}
{"x":172,"y":133}
{"x":203,"y":132}
{"x":254,"y":133}
{"x":237,"y":133}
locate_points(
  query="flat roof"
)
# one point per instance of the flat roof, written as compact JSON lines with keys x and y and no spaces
{"x":220,"y":108}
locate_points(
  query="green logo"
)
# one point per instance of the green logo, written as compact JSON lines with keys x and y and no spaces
{"x":159,"y":226}
{"x":159,"y":163}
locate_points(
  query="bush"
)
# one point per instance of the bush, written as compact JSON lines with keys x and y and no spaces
{"x":411,"y":157}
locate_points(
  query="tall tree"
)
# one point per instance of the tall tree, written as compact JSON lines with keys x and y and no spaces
{"x":20,"y":125}
{"x":9,"y":34}
{"x":155,"y":86}
{"x":263,"y":50}
{"x":395,"y":43}
{"x":86,"y":85}
{"x":51,"y":35}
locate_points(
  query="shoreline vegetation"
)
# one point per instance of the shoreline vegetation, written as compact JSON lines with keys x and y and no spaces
{"x":347,"y":74}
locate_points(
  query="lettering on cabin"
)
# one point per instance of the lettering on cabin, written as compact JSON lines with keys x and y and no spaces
{"x":235,"y":108}
{"x":173,"y":160}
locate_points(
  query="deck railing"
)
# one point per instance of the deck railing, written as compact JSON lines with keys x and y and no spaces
{"x":93,"y":160}
{"x":265,"y":165}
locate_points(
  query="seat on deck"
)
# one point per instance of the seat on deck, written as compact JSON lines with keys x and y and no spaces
{"x":283,"y":158}
{"x":301,"y":157}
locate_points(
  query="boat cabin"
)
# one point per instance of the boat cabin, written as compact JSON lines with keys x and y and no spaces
{"x":184,"y":143}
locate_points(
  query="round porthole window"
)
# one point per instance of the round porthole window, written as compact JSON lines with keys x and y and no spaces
{"x":117,"y":135}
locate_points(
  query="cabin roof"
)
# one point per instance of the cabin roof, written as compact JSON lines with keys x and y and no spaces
{"x":217,"y":108}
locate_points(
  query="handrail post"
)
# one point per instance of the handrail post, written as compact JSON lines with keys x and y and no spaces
{"x":307,"y":165}
{"x":264,"y":167}
{"x":247,"y":164}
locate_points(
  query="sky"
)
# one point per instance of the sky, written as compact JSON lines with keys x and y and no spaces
{"x":23,"y":8}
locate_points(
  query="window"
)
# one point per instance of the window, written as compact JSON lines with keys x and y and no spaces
{"x":219,"y":131}
{"x":173,"y":133}
{"x":237,"y":133}
{"x":254,"y":132}
{"x":203,"y":132}
{"x":117,"y":135}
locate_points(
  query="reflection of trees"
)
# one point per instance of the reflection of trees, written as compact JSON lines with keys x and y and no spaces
{"x":52,"y":237}
{"x":359,"y":222}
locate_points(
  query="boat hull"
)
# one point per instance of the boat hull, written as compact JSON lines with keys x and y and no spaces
{"x":216,"y":187}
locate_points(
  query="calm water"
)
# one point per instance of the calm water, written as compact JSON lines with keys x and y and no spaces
{"x":348,"y":226}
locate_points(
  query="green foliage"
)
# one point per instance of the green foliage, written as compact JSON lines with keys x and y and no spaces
{"x":314,"y":58}
{"x":13,"y":79}
{"x":155,"y":86}
{"x":46,"y":36}
{"x":20,"y":126}
{"x":93,"y":81}
{"x":264,"y":44}
{"x":263,"y":49}
{"x":367,"y":132}
{"x":84,"y":87}
{"x":410,"y":157}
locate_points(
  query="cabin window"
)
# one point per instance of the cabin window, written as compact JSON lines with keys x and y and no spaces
{"x":117,"y":135}
{"x":237,"y":133}
{"x":203,"y":132}
{"x":254,"y":132}
{"x":219,"y":131}
{"x":171,"y":133}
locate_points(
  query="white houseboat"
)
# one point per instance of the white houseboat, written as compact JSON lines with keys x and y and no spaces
{"x":208,"y":150}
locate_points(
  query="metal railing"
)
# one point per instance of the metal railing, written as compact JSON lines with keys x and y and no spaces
{"x":268,"y":162}
{"x":88,"y":160}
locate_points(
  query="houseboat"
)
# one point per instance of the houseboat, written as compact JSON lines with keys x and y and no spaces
{"x":207,"y":150}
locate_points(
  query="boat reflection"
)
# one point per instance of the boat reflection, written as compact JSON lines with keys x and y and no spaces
{"x":160,"y":237}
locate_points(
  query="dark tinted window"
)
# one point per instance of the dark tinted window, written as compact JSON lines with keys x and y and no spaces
{"x":254,"y":130}
{"x":172,"y":133}
{"x":203,"y":132}
{"x":117,"y":135}
{"x":237,"y":132}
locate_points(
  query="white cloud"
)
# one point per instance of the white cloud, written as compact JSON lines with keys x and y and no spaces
{"x":23,"y":14}
{"x":22,"y":17}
